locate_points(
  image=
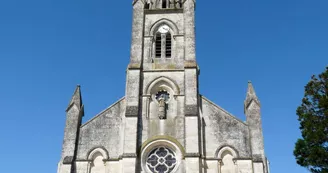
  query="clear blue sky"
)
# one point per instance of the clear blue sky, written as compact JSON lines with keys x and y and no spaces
{"x":49,"y":46}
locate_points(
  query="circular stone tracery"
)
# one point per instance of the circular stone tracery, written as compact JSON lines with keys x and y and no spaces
{"x":161,"y":160}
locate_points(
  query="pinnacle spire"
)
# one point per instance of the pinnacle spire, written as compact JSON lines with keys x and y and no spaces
{"x":76,"y":98}
{"x":250,"y":95}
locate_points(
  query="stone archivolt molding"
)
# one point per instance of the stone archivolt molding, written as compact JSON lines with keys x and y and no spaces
{"x":162,"y":83}
{"x":154,"y":28}
{"x":221,"y":150}
{"x":92,"y":155}
{"x":95,"y":151}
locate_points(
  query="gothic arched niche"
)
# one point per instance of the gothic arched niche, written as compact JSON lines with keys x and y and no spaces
{"x":228,"y":165}
{"x":97,"y":157}
{"x":97,"y":165}
{"x":162,"y":103}
{"x":227,"y":155}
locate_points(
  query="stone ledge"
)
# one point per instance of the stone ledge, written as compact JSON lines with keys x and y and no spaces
{"x":132,"y":66}
{"x":190,"y":64}
{"x":257,"y":158}
{"x":211,"y":158}
{"x":192,"y":155}
{"x":235,"y":159}
{"x":164,"y":70}
{"x":68,"y":160}
{"x":129,"y":155}
{"x":164,"y":11}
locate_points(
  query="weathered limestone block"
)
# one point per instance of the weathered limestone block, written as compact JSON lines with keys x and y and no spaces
{"x":192,"y":165}
{"x":129,"y":165}
{"x":258,"y":167}
{"x":191,"y":135}
{"x":81,"y":167}
{"x":114,"y":166}
{"x":244,"y":166}
{"x":212,"y":166}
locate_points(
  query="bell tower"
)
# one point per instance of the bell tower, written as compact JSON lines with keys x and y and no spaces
{"x":163,"y":124}
{"x":162,"y":78}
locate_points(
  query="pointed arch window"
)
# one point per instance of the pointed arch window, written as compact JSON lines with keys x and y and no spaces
{"x":163,"y":42}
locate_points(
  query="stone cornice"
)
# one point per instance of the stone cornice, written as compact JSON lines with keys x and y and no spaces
{"x":164,"y":11}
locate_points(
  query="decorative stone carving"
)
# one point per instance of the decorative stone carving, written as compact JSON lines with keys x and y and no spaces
{"x":161,"y":108}
{"x":162,"y":98}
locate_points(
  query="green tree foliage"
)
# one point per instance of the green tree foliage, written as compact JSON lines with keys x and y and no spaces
{"x":312,"y":150}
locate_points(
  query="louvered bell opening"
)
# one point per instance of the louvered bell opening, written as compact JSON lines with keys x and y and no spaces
{"x":168,"y":48}
{"x":180,"y":4}
{"x":158,"y":46}
{"x":147,"y":6}
{"x":164,"y":4}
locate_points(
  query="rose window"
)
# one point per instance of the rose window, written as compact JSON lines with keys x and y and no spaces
{"x":161,"y":160}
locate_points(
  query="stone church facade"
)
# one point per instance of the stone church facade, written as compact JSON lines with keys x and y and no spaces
{"x":163,"y":124}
